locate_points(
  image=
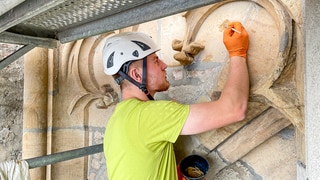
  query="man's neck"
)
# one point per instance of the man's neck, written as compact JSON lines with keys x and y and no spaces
{"x":134,"y":92}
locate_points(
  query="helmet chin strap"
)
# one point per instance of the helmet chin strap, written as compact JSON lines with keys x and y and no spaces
{"x":143,"y":85}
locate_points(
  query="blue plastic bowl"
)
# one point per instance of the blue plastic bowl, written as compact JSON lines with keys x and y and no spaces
{"x":194,"y":161}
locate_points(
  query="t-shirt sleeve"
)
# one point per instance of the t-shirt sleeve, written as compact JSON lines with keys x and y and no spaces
{"x":162,"y":120}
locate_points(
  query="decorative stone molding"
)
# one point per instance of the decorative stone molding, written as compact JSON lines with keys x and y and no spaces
{"x":84,"y":97}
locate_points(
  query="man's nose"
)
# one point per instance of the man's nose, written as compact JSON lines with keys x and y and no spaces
{"x":163,"y":65}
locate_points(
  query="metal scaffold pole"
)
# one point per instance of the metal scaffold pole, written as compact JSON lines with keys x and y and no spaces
{"x":63,"y":156}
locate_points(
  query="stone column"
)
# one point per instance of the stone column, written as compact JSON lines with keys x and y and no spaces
{"x":34,"y":142}
{"x":312,"y":86}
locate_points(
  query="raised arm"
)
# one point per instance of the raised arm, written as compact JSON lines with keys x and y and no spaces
{"x":232,"y":104}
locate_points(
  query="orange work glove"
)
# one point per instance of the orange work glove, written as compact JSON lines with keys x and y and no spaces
{"x":236,"y":42}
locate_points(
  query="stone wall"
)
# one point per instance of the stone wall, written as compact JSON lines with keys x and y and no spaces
{"x":81,"y":98}
{"x":11,"y":106}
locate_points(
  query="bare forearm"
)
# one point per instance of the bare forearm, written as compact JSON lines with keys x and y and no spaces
{"x":236,"y":89}
{"x":232,"y":104}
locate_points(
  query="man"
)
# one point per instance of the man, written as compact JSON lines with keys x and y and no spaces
{"x":139,"y":137}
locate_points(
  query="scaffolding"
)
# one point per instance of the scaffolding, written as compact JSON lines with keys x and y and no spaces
{"x":46,"y":23}
{"x":64,"y":156}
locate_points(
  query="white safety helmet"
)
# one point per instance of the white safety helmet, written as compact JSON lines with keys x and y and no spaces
{"x":125,"y":47}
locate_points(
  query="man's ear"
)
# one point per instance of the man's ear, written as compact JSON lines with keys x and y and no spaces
{"x":135,"y":74}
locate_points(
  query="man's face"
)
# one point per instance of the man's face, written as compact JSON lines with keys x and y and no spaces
{"x":156,"y":74}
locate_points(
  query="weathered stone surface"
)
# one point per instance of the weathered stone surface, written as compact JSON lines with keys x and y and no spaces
{"x":11,"y":105}
{"x":260,"y":129}
{"x":276,"y":158}
{"x":35,"y":107}
{"x":213,"y":138}
{"x":82,"y":97}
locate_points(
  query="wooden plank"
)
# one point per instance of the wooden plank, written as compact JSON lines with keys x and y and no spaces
{"x":252,"y":135}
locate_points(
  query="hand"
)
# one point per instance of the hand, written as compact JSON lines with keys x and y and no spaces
{"x":236,"y":42}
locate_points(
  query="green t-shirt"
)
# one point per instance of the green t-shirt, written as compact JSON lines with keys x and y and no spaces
{"x":139,"y":137}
